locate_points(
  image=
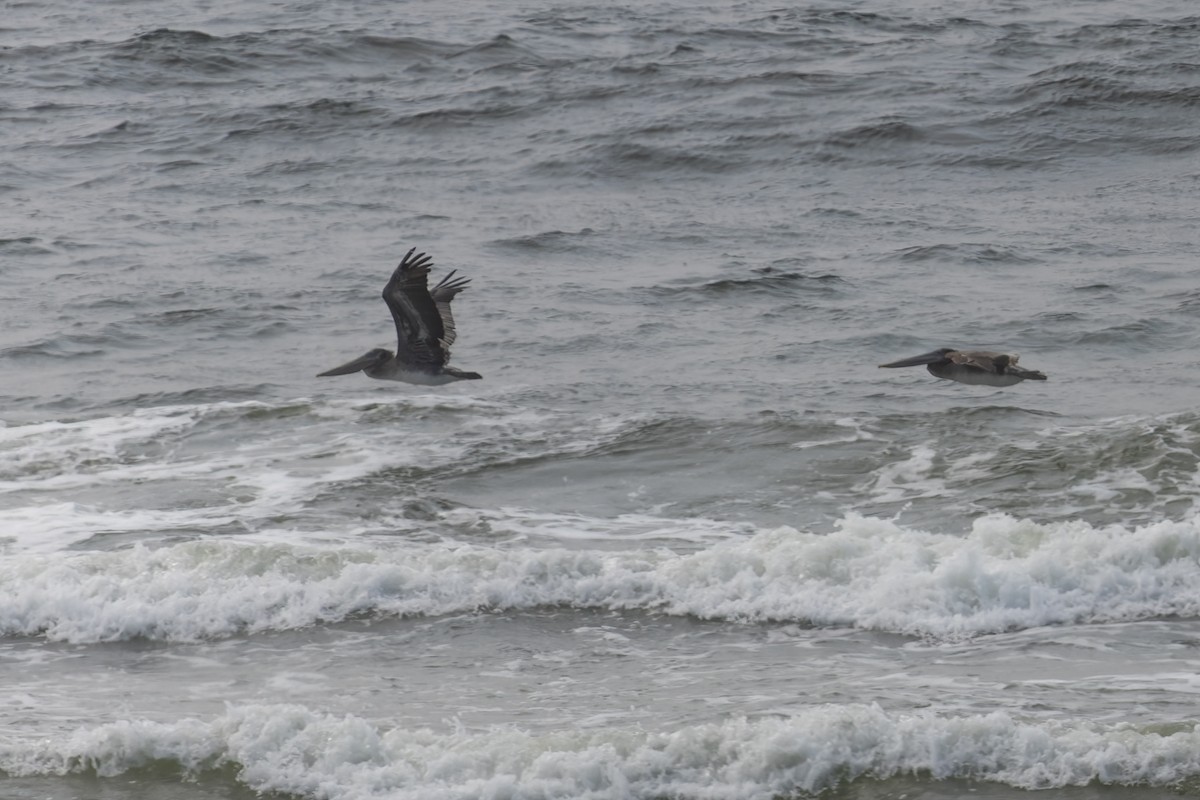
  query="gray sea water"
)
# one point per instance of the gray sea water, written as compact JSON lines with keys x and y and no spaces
{"x":685,"y":539}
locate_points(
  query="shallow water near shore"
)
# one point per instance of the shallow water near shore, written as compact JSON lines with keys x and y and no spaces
{"x":685,"y":539}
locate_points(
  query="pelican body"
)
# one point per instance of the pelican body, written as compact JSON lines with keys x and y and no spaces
{"x":424,"y":329}
{"x":978,"y":367}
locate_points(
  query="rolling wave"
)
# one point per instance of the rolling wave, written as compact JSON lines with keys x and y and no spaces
{"x":290,"y":749}
{"x":1004,"y":574}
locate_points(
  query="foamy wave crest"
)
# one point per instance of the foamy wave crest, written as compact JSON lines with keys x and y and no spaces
{"x":1004,"y":574}
{"x":294,"y":750}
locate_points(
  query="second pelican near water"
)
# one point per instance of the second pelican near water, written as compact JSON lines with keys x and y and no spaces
{"x":979,"y":367}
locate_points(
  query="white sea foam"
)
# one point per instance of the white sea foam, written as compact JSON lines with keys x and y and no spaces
{"x":294,"y":750}
{"x":1003,"y":574}
{"x":1125,"y":469}
{"x":526,"y":523}
{"x":39,"y":452}
{"x":125,"y":466}
{"x":907,"y":479}
{"x":208,"y":467}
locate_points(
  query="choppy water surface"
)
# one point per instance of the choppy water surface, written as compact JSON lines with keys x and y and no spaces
{"x":684,"y":539}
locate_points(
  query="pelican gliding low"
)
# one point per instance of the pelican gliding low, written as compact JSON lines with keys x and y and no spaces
{"x":424,"y":329}
{"x":979,"y":367}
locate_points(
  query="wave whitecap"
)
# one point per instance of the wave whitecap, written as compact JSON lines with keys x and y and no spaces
{"x":295,"y":750}
{"x":1004,"y":574}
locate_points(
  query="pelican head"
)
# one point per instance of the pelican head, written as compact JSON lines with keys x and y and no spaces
{"x":364,"y":363}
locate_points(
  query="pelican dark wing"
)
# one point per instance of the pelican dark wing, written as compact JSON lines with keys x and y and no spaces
{"x":445,"y":291}
{"x":424,"y":328}
{"x":995,"y":363}
{"x":422,"y":339}
{"x":979,"y":367}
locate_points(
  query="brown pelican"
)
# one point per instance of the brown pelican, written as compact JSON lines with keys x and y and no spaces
{"x":972,"y":366}
{"x":424,"y":329}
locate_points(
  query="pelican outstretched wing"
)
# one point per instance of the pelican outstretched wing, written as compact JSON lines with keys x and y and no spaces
{"x":424,"y":326}
{"x":445,"y":291}
{"x":995,"y":363}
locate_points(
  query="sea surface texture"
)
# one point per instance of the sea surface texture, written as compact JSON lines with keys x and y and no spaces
{"x":685,"y":539}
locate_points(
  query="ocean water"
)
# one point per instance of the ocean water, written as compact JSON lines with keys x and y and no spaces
{"x":685,"y":539}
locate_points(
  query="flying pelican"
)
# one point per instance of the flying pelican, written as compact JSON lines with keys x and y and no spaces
{"x":424,"y":329}
{"x":977,"y":367}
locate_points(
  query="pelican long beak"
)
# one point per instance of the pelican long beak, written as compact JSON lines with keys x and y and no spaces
{"x":916,"y":361}
{"x":357,"y":365}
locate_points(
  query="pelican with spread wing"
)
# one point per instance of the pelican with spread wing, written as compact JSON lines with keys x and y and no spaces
{"x":979,"y":367}
{"x":424,"y":329}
